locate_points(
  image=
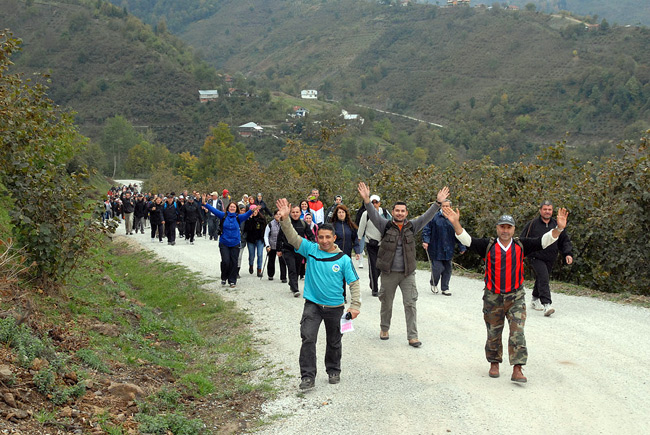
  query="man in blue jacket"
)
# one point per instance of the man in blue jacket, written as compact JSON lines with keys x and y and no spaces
{"x":439,"y":239}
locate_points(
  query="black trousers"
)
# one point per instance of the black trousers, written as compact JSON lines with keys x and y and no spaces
{"x":270,"y":265}
{"x":189,"y":230}
{"x":157,"y":227}
{"x":213,"y":227}
{"x":170,"y":231}
{"x":181,"y":228}
{"x":373,"y":272}
{"x":293,"y":261}
{"x":229,"y":259}
{"x":312,"y":316}
{"x":542,"y":287}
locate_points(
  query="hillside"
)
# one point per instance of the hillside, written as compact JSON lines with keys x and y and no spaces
{"x":622,"y":12}
{"x":103,"y":62}
{"x":529,"y":77}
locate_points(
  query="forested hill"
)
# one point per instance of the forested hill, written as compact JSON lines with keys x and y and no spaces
{"x":623,"y":12}
{"x":104,"y":62}
{"x":529,"y":76}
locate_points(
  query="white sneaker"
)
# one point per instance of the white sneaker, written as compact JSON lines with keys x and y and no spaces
{"x":535,"y":304}
{"x":548,"y":310}
{"x":434,"y":289}
{"x":360,"y":264}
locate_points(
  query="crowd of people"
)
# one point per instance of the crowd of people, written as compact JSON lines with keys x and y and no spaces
{"x":321,"y":246}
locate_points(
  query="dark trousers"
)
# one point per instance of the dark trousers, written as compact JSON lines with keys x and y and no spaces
{"x":542,"y":287}
{"x":213,"y":227}
{"x":199,"y":229}
{"x":170,"y":231}
{"x":229,"y":259}
{"x":312,"y":316}
{"x":189,"y":230}
{"x":441,"y":273}
{"x":181,"y":228}
{"x":157,"y":227}
{"x":270,"y":267}
{"x":293,"y":261}
{"x":373,"y":272}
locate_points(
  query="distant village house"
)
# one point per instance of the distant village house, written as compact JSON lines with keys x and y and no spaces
{"x":207,"y":95}
{"x":299,"y":112}
{"x":250,"y":129}
{"x":309,"y":94}
{"x":351,"y":116}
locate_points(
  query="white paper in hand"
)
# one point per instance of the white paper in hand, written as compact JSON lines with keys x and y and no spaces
{"x":346,"y":324}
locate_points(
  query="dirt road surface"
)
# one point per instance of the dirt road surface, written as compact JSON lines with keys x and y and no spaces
{"x":588,"y":368}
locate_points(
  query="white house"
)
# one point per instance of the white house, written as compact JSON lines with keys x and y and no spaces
{"x":250,"y":129}
{"x":309,"y":94}
{"x":351,"y":116}
{"x":207,"y":95}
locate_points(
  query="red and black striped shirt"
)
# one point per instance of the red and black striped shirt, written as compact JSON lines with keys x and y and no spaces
{"x":504,"y":270}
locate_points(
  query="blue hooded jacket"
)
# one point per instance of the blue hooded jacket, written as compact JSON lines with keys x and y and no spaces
{"x":231,"y":235}
{"x":439,"y":233}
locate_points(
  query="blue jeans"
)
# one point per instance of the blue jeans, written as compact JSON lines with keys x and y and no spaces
{"x":259,"y":246}
{"x":312,"y":316}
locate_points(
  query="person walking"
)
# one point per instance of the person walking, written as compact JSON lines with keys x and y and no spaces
{"x":139,"y":213}
{"x":191,"y":215}
{"x":396,"y":260}
{"x":156,"y":219}
{"x":229,"y":242}
{"x":263,"y":207}
{"x":291,"y":258}
{"x":271,"y":234}
{"x":316,"y":207}
{"x":542,"y":261}
{"x":128,"y":206}
{"x":213,"y":220}
{"x":370,"y":235}
{"x":439,"y":240}
{"x":338,"y":200}
{"x":170,"y":219}
{"x":504,"y":295}
{"x":346,"y":231}
{"x":254,"y":230}
{"x":327,"y":269}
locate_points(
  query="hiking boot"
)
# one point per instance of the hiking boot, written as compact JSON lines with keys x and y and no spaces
{"x":517,"y":374}
{"x":446,"y":292}
{"x":259,"y":273}
{"x":494,"y":370}
{"x":307,"y":384}
{"x":434,"y":289}
{"x":383,"y":335}
{"x":415,"y":342}
{"x":334,"y":378}
{"x":548,"y":310}
{"x":536,"y":305}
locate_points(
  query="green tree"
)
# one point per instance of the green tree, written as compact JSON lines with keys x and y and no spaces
{"x":39,"y":143}
{"x":118,"y":137}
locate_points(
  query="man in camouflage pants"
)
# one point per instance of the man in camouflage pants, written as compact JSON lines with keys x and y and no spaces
{"x":504,"y":285}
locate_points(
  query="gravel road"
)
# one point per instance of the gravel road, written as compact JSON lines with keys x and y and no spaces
{"x":588,"y":368}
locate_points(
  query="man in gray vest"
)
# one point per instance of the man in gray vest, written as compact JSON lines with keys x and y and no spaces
{"x":396,"y":260}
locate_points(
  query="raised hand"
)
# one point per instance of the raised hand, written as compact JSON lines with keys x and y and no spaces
{"x":562,"y":215}
{"x":364,"y":191}
{"x":451,"y":215}
{"x":443,"y":194}
{"x":283,"y":207}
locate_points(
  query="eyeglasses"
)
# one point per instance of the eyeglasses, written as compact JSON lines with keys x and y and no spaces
{"x":374,"y":201}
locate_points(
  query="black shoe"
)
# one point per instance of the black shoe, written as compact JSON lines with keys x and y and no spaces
{"x":223,"y":282}
{"x":270,"y":278}
{"x":296,"y":294}
{"x":284,"y":281}
{"x":250,"y":270}
{"x":173,"y":243}
{"x":335,"y":378}
{"x":307,"y":384}
{"x":375,"y":294}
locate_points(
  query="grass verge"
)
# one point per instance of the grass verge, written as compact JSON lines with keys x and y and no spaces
{"x":133,"y":344}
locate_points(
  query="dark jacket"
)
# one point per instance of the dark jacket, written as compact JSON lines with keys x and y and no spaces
{"x":537,"y":228}
{"x":140,"y":209}
{"x":170,"y":212}
{"x":254,"y":228}
{"x":264,"y":208}
{"x":191,"y":212}
{"x":155,"y":213}
{"x":397,"y":248}
{"x":346,"y":238}
{"x":128,"y":205}
{"x":439,"y":233}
